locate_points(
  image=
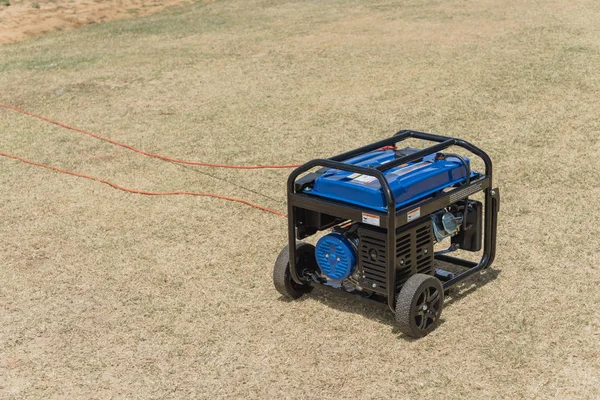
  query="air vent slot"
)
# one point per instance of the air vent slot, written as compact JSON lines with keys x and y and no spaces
{"x":414,"y":254}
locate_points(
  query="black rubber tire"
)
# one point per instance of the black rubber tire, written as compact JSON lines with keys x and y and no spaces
{"x":419,"y":305}
{"x":282,"y":277}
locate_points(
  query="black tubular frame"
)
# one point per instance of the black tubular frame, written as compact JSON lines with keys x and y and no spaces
{"x":393,"y":218}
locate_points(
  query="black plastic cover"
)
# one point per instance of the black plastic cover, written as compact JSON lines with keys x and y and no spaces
{"x":470,"y":238}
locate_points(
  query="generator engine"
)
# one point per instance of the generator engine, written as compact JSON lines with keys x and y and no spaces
{"x":355,"y":254}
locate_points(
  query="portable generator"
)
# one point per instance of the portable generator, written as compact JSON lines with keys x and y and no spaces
{"x":384,"y":209}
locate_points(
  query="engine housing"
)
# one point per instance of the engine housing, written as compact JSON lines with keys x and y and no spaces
{"x":414,"y":254}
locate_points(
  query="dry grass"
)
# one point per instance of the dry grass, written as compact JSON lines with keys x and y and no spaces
{"x":106,"y":294}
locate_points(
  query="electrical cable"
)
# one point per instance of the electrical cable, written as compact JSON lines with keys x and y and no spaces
{"x":143,"y":192}
{"x":149,"y":154}
{"x":146,"y":153}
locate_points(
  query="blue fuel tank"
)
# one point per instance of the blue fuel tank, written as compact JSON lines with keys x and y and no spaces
{"x":409,"y":182}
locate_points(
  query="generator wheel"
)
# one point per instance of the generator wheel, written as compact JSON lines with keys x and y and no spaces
{"x":419,"y":305}
{"x":282,"y":277}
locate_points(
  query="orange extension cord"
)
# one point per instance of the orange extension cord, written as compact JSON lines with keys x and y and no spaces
{"x":175,"y":160}
{"x":144,"y":192}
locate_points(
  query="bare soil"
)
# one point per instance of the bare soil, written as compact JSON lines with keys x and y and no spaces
{"x":24,"y":19}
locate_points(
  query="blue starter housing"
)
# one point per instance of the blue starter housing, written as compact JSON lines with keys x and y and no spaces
{"x":409,"y":182}
{"x":336,"y":256}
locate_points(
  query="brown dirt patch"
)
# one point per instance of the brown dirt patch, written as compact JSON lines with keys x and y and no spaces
{"x":23,"y":19}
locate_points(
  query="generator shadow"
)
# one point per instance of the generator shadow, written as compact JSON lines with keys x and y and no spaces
{"x":380,"y":313}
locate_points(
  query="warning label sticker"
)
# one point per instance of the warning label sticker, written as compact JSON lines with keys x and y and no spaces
{"x":370,"y":219}
{"x":405,"y":169}
{"x":362,"y":178}
{"x":413,"y":214}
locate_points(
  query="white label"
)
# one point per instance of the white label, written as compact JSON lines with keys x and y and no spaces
{"x":370,"y":219}
{"x":362,"y":178}
{"x":412,"y":214}
{"x":406,"y":168}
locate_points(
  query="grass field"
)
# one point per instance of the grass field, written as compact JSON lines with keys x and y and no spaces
{"x":106,"y":294}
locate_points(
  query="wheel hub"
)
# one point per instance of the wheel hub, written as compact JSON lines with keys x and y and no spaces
{"x":426,"y":310}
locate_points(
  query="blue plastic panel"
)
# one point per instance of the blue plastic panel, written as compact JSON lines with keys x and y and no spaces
{"x":336,"y":256}
{"x":409,"y":182}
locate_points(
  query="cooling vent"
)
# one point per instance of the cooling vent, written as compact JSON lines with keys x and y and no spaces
{"x":373,"y":259}
{"x":403,"y":255}
{"x":414,"y":254}
{"x":424,"y":252}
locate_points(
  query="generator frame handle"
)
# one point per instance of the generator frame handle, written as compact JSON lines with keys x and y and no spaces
{"x":443,"y":142}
